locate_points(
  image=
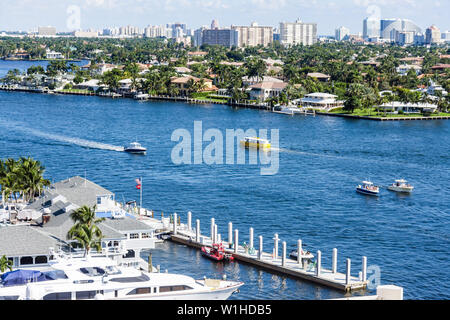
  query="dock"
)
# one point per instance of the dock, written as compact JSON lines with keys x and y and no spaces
{"x":273,"y":262}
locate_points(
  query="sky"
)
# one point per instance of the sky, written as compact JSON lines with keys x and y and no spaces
{"x":67,"y":15}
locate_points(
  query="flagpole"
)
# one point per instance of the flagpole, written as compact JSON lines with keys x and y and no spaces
{"x":141,"y":197}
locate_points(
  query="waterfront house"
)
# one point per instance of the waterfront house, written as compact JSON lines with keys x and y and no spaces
{"x":249,"y":81}
{"x":321,"y":101}
{"x":404,"y":69}
{"x":182,"y":83}
{"x":319,"y":76}
{"x":265,"y":90}
{"x":91,"y":85}
{"x":50,"y":54}
{"x":124,"y":236}
{"x":182,"y":70}
{"x":396,"y":107}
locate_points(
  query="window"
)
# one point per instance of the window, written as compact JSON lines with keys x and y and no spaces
{"x":140,"y":291}
{"x":173,"y":288}
{"x":9,"y":297}
{"x":129,"y":254}
{"x":134,"y":235}
{"x":83,"y":295}
{"x":26,"y":260}
{"x":145,"y":235}
{"x":92,"y":272}
{"x":40,"y":259}
{"x":58,"y":296}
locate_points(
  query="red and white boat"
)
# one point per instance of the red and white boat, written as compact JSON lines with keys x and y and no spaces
{"x":217,"y":253}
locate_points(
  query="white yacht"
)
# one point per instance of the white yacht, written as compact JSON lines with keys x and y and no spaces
{"x":100,"y":278}
{"x":401,"y":186}
{"x":136,"y":148}
{"x":368,"y":188}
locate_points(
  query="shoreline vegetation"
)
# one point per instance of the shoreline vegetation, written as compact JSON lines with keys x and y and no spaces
{"x":364,"y":81}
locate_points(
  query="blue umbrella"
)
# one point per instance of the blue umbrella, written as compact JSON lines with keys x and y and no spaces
{"x":18,"y":277}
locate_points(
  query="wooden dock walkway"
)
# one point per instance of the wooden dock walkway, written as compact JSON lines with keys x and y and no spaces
{"x":281,"y":264}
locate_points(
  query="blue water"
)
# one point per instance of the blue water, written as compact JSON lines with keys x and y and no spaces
{"x":312,"y":197}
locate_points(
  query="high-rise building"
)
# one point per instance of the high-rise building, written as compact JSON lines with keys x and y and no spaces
{"x":254,"y":35}
{"x":341,"y":33}
{"x":388,"y":27}
{"x":47,"y":31}
{"x":221,"y":37}
{"x":371,"y":28}
{"x":433,"y":35}
{"x":215,"y":24}
{"x":445,"y":36}
{"x":292,"y":33}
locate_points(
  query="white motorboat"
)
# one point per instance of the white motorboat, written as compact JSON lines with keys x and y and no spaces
{"x":401,"y":186}
{"x":135,"y":148}
{"x":304,"y":255}
{"x":368,"y":188}
{"x":101,"y":278}
{"x":290,"y":109}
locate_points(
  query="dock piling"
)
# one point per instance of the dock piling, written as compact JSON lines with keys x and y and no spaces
{"x":175,"y":223}
{"x":347,"y":275}
{"x":189,"y":220}
{"x":230,"y":233}
{"x":319,"y":262}
{"x":364,"y":268}
{"x":197,"y":231}
{"x":299,"y":252}
{"x":334,"y":261}
{"x":236,"y":240}
{"x":215,"y":233}
{"x":251,"y":238}
{"x":212,"y":229}
{"x":283,"y":261}
{"x":260,"y":252}
{"x":275,"y":248}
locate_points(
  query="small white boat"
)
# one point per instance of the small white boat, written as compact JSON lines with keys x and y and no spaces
{"x":136,"y":148}
{"x":401,"y":186}
{"x":291,"y":110}
{"x":304,"y":255}
{"x":368,"y":188}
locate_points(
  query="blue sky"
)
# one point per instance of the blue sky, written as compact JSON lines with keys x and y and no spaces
{"x":329,"y":14}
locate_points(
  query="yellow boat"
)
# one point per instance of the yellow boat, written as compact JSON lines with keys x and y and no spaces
{"x":255,"y":142}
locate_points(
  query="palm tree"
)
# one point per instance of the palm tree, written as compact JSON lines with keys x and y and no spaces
{"x":88,"y":237}
{"x":30,"y":174}
{"x":85,"y":229}
{"x":5,"y":263}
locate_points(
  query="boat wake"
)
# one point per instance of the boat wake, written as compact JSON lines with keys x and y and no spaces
{"x":61,"y":138}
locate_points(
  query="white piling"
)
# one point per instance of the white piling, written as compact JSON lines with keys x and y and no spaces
{"x":230,"y":233}
{"x":334,"y":261}
{"x":251,"y":238}
{"x":236,"y":240}
{"x":189,"y":220}
{"x":348,"y":275}
{"x":215,"y":233}
{"x":319,"y":263}
{"x":299,"y":252}
{"x":275,"y":247}
{"x":283,"y":259}
{"x":175,"y":220}
{"x":364,"y":268}
{"x":197,"y":231}
{"x":212,"y":229}
{"x":260,"y":247}
{"x":219,"y":238}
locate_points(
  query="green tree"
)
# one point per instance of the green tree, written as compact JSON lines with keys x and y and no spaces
{"x":85,"y":230}
{"x":5,"y":264}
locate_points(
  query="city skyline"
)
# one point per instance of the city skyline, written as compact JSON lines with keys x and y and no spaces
{"x":26,"y":15}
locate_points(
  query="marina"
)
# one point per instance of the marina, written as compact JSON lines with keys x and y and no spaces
{"x":335,"y":151}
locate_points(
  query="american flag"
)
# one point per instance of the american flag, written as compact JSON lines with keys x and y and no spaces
{"x":138,"y":181}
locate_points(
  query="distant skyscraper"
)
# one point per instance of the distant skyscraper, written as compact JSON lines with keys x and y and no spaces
{"x":371,"y":28}
{"x":433,"y":35}
{"x":298,"y":33}
{"x":215,"y":24}
{"x":388,"y":27}
{"x":445,"y":36}
{"x":222,"y":37}
{"x":341,"y":33}
{"x":254,"y":35}
{"x":47,"y":31}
